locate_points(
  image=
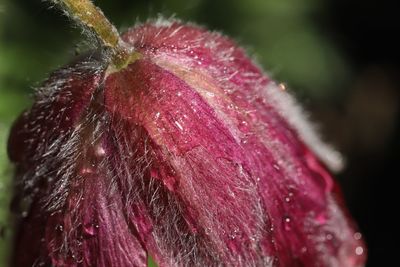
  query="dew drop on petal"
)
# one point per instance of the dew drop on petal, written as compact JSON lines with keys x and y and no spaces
{"x":90,"y":229}
{"x":357,"y":236}
{"x":85,"y":170}
{"x":329,"y":237}
{"x":100,"y":151}
{"x":244,"y":127}
{"x":287,"y":221}
{"x":359,"y":251}
{"x":321,"y":218}
{"x":59,"y":228}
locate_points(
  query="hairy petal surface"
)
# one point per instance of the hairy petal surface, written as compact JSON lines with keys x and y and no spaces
{"x":191,"y":154}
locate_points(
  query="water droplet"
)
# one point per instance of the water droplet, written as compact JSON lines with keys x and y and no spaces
{"x":99,"y":151}
{"x":59,"y":228}
{"x":287,"y":221}
{"x":244,"y":141}
{"x":232,"y":106}
{"x":359,"y":251}
{"x":85,"y":170}
{"x":321,"y":218}
{"x":357,"y":236}
{"x":23,"y":206}
{"x":90,"y":229}
{"x":244,"y":127}
{"x":210,"y":94}
{"x":329,"y":236}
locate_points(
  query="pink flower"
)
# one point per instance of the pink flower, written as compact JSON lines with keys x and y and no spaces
{"x":190,"y":154}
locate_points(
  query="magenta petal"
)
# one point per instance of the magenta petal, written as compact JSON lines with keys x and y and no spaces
{"x":190,"y":153}
{"x":77,"y":216}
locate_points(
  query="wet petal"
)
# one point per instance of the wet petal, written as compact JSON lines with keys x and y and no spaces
{"x":190,"y":153}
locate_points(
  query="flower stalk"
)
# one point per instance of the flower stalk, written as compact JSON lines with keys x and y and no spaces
{"x":91,"y":17}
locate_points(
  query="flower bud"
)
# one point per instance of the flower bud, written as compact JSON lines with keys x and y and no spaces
{"x":190,"y":154}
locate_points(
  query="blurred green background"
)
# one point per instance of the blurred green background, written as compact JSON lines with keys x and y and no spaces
{"x":339,"y":57}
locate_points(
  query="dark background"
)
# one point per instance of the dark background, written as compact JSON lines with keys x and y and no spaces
{"x":341,"y":59}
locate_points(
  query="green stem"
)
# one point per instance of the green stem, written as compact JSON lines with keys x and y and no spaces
{"x":90,"y":16}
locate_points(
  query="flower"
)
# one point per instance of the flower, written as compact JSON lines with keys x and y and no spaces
{"x":190,"y":154}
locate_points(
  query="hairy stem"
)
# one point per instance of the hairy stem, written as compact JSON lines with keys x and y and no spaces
{"x":91,"y":17}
